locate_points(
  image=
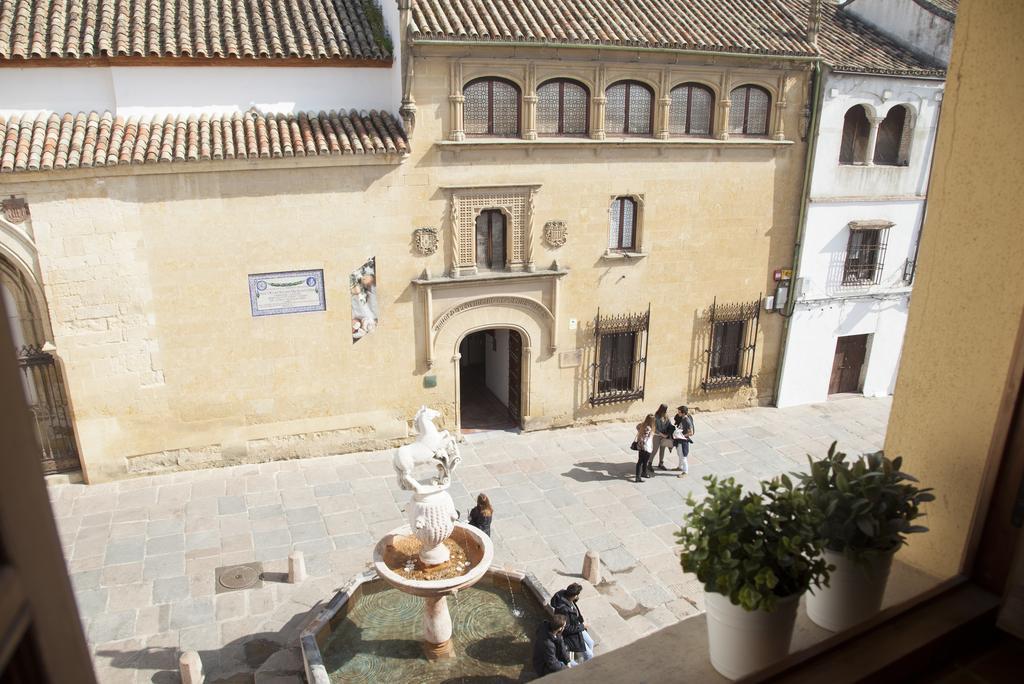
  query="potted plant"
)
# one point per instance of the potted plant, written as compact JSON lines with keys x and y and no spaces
{"x":756,"y":553}
{"x":867,"y":508}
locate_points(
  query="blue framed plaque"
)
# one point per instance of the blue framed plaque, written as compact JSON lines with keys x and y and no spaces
{"x":287,"y":292}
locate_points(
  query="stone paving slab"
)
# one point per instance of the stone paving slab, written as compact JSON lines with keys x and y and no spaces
{"x":142,"y":552}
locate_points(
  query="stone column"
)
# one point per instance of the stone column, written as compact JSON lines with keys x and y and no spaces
{"x":723,"y":130}
{"x":437,"y":628}
{"x":662,"y":127}
{"x":780,"y":130}
{"x":529,"y":117}
{"x":869,"y":155}
{"x":528,"y":232}
{"x":456,"y":100}
{"x":597,"y":127}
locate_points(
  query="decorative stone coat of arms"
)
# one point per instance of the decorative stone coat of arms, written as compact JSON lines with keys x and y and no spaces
{"x":15,"y":209}
{"x":424,"y":241}
{"x":555,"y":233}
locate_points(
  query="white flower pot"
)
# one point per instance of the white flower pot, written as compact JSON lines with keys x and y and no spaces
{"x":854,"y":593}
{"x":742,"y":642}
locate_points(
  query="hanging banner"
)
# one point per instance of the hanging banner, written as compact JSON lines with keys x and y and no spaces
{"x":363,"y":286}
{"x":286,"y":292}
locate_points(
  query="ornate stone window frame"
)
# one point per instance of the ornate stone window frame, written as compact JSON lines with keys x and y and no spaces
{"x":637,"y":252}
{"x":516,"y":202}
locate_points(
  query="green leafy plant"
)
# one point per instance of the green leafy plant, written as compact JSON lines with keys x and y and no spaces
{"x":754,"y":547}
{"x":867,"y":505}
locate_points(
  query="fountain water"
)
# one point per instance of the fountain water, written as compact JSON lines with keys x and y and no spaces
{"x":433,"y":556}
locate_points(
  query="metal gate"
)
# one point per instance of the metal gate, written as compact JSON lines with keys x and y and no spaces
{"x":48,"y":403}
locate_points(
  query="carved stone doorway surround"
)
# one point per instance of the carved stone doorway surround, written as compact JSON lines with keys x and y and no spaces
{"x":452,"y":308}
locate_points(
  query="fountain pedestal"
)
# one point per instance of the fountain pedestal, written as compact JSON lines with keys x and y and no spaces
{"x":437,"y":628}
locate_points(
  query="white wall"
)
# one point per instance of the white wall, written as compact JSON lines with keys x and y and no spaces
{"x":812,"y":345}
{"x":823,"y":251}
{"x":496,"y":365}
{"x":843,"y":91}
{"x":146,"y":89}
{"x":908,"y":23}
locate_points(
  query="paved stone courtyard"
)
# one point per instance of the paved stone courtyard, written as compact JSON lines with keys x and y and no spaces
{"x":142,"y":552}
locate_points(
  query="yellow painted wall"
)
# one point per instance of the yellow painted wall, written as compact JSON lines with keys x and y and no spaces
{"x":145,"y":276}
{"x":969,"y":294}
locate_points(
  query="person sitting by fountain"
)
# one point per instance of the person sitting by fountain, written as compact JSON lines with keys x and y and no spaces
{"x":549,"y":651}
{"x":575,"y":635}
{"x":480,"y":516}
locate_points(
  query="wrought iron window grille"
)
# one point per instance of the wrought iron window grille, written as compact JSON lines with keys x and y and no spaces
{"x":865,"y":253}
{"x":732,"y":344}
{"x":619,"y":371}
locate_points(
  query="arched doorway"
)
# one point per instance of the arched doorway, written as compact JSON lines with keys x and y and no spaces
{"x":41,"y":376}
{"x":490,"y":380}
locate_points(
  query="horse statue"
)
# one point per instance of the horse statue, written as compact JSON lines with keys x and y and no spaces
{"x":431,"y":446}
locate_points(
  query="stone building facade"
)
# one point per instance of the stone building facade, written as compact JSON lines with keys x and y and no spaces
{"x":541,"y":278}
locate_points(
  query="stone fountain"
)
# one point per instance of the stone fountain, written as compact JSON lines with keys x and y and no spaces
{"x":432,"y":556}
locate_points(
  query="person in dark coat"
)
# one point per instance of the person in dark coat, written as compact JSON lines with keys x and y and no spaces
{"x":575,"y":635}
{"x":549,"y":651}
{"x":480,"y":516}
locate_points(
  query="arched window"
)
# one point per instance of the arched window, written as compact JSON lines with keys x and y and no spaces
{"x":629,"y":109}
{"x":622,"y":224}
{"x":892,"y":146}
{"x":491,"y":107}
{"x":854,"y":147}
{"x":749,"y":112}
{"x":490,"y":240}
{"x":562,"y":108}
{"x":690,"y":111}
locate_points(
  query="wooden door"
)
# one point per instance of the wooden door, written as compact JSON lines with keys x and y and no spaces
{"x":515,"y":373}
{"x":847,"y":364}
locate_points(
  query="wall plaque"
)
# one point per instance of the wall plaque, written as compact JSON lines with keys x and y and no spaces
{"x":286,"y":292}
{"x":424,"y":241}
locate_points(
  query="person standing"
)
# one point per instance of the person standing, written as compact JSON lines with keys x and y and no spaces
{"x":663,"y":428}
{"x":644,"y":446}
{"x":480,"y":516}
{"x":549,"y":651}
{"x":575,"y":635}
{"x":681,"y":437}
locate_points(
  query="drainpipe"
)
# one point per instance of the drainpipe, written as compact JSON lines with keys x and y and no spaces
{"x":812,"y":143}
{"x":927,"y":193}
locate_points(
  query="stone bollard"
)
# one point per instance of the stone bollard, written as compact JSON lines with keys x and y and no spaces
{"x":592,"y":567}
{"x":191,"y":668}
{"x":296,"y":567}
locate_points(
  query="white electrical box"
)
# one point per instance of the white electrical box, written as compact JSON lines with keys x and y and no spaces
{"x":572,"y":324}
{"x":781,"y":295}
{"x":769,"y":303}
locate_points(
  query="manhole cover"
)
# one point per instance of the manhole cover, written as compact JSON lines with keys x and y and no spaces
{"x":235,"y":577}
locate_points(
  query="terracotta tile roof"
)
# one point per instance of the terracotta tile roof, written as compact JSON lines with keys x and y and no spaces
{"x":272,"y":29}
{"x":754,"y":26}
{"x":44,"y":142}
{"x":849,"y":45}
{"x":944,"y":8}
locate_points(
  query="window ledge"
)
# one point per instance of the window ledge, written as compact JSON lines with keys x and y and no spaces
{"x":489,"y":276}
{"x":541,"y":143}
{"x":623,"y":256}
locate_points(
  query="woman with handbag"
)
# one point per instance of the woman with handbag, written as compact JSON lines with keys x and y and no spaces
{"x":644,"y":446}
{"x":681,"y":437}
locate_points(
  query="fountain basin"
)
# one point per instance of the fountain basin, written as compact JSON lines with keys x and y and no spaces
{"x":474,"y":544}
{"x":369,"y":632}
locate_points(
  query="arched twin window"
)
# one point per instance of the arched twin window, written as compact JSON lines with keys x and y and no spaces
{"x":749,"y":112}
{"x":892,"y":142}
{"x":491,"y":107}
{"x":691,"y":110}
{"x":630,"y":109}
{"x":563,"y":108}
